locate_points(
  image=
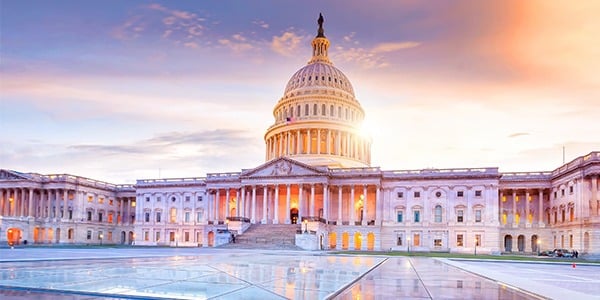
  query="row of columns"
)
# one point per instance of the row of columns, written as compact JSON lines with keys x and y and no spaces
{"x":250,"y":210}
{"x":513,"y":210}
{"x":52,"y":204}
{"x":337,"y":142}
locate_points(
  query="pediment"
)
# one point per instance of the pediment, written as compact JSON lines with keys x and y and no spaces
{"x":12,"y":175}
{"x":283,"y":167}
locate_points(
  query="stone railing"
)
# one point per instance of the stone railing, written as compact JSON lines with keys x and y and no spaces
{"x":526,"y":176}
{"x":86,"y":181}
{"x":171,"y":180}
{"x":229,"y":175}
{"x":441,"y":172}
{"x":593,"y":156}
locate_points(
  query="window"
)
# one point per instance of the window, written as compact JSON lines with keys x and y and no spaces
{"x":187,"y":198}
{"x":158,"y":199}
{"x":400,"y":194}
{"x":99,"y":217}
{"x":315,"y":109}
{"x":478,"y":240}
{"x":460,"y":194}
{"x":100,"y":235}
{"x":172,"y":236}
{"x":416,"y":239}
{"x":199,"y":198}
{"x":477,"y":193}
{"x":173,"y":215}
{"x":186,"y":236}
{"x":70,"y":214}
{"x":555,"y":217}
{"x":562,"y":214}
{"x":555,"y":195}
{"x":110,"y":217}
{"x":158,"y":217}
{"x":417,"y":194}
{"x":306,"y":110}
{"x":187,"y":216}
{"x":571,"y":214}
{"x":331,"y":111}
{"x":417,"y":216}
{"x":101,"y":201}
{"x":109,"y":236}
{"x":147,"y":217}
{"x":399,"y":241}
{"x":399,"y":216}
{"x":562,"y":192}
{"x":90,"y":199}
{"x":459,"y":240}
{"x":298,"y":111}
{"x":89,"y":215}
{"x":323,"y":109}
{"x":571,"y":190}
{"x":147,"y":199}
{"x":339,"y":111}
{"x":173,"y":199}
{"x":478,"y":215}
{"x":146,"y":236}
{"x":438,"y":213}
{"x":110,"y":202}
{"x":437,"y":242}
{"x":459,"y":215}
{"x":199,"y":216}
{"x":157,"y":236}
{"x":89,"y":235}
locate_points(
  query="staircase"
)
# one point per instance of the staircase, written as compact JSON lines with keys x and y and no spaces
{"x":267,"y":236}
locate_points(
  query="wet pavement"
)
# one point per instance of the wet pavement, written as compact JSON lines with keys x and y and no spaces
{"x":253,"y":274}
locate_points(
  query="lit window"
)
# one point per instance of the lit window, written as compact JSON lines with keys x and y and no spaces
{"x":459,"y":240}
{"x":437,"y":242}
{"x":478,"y":240}
{"x":416,"y":239}
{"x":90,"y":199}
{"x":101,"y":201}
{"x":146,"y":236}
{"x":173,"y":215}
{"x":157,"y":237}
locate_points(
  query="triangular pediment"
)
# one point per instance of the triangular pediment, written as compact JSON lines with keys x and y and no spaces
{"x":283,"y":166}
{"x":12,"y":175}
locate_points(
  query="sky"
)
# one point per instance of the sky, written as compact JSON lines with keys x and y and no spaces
{"x":124,"y":90}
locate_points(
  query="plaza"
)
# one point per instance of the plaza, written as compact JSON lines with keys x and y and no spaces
{"x":185,"y":273}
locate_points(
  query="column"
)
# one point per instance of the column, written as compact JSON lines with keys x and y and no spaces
{"x":351,"y":206}
{"x":287,"y":204}
{"x":541,"y":207}
{"x":311,"y":204}
{"x":339,"y":218}
{"x":308,"y":142}
{"x":217,"y":200}
{"x":65,"y":205}
{"x":288,"y":143}
{"x":122,"y":210}
{"x":300,"y":206}
{"x":365,"y":218}
{"x":2,"y":201}
{"x":227,"y":203}
{"x":298,"y":142}
{"x":264,"y":216}
{"x":276,"y":206}
{"x":328,"y":142}
{"x":378,"y":205}
{"x":514,"y":208}
{"x":318,"y":141}
{"x":253,"y":204}
{"x":594,"y":198}
{"x":527,"y":223}
{"x":325,"y":203}
{"x":239,"y":202}
{"x":22,"y":204}
{"x":338,"y":143}
{"x":30,"y":206}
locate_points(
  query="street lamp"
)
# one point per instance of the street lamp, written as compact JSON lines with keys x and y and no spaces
{"x":101,"y":236}
{"x":305,"y":226}
{"x":408,"y":244}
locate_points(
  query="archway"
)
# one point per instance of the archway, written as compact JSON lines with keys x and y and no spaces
{"x":13,"y":236}
{"x":57,"y":236}
{"x":36,"y":235}
{"x":123,"y":235}
{"x":370,"y":241}
{"x":49,"y":235}
{"x":357,"y":241}
{"x":332,"y":240}
{"x":508,"y":243}
{"x":521,"y":243}
{"x":345,"y":240}
{"x":534,"y":245}
{"x":131,"y":238}
{"x":294,"y":215}
{"x":211,"y":238}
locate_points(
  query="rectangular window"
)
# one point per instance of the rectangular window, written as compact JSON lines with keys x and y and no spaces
{"x":555,"y":195}
{"x":70,"y":214}
{"x":157,"y":238}
{"x":147,"y":217}
{"x":89,"y":235}
{"x":562,"y":214}
{"x":399,"y":241}
{"x":187,"y":216}
{"x":416,"y":240}
{"x":199,"y":217}
{"x":562,"y":192}
{"x":90,"y":199}
{"x":460,"y":193}
{"x":478,"y":240}
{"x":417,"y":216}
{"x":100,"y":235}
{"x":199,"y":198}
{"x":147,"y":199}
{"x":437,"y":242}
{"x":158,"y":217}
{"x":186,"y":236}
{"x":187,"y":198}
{"x":172,"y":236}
{"x":571,"y":190}
{"x":110,"y":217}
{"x":173,"y":216}
{"x":417,"y":194}
{"x":109,"y":236}
{"x":459,"y":240}
{"x":101,"y":201}
{"x":400,"y":194}
{"x":110,"y":202}
{"x":100,"y":217}
{"x":399,"y":216}
{"x":146,"y":236}
{"x":89,"y":215}
{"x":571,"y":214}
{"x":478,"y":215}
{"x":459,"y":215}
{"x":477,"y":193}
{"x":158,"y":199}
{"x":571,"y":241}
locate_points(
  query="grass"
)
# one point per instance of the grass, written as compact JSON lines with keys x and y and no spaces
{"x":469,"y":256}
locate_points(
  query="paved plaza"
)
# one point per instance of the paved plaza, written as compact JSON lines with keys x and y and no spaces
{"x":180,"y":273}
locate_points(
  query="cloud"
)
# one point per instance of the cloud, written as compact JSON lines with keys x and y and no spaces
{"x":518,"y":134}
{"x":394,"y":46}
{"x":261,"y":23}
{"x":287,"y":43}
{"x":237,"y":43}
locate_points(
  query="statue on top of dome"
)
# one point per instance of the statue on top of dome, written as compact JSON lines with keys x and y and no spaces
{"x":320,"y":22}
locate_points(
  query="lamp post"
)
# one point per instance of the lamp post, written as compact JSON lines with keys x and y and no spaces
{"x":101,"y":236}
{"x":408,"y":244}
{"x":305,"y":226}
{"x":539,"y":243}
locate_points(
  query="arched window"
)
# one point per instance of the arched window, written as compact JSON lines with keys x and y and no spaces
{"x":331,"y":111}
{"x":438,"y":213}
{"x":298,"y":111}
{"x":306,"y":110}
{"x":315,"y":109}
{"x":339,"y":112}
{"x":323,"y":109}
{"x":291,"y":111}
{"x":346,"y":113}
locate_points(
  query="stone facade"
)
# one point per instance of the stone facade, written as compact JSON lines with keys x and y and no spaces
{"x":317,"y":173}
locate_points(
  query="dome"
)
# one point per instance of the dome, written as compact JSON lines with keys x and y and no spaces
{"x":318,"y":75}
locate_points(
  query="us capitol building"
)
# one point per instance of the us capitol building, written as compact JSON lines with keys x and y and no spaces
{"x":317,"y":179}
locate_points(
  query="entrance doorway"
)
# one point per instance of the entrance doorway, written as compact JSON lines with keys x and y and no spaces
{"x":211,"y":238}
{"x":508,"y":243}
{"x":13,"y":236}
{"x":294,"y":215}
{"x":521,"y":243}
{"x":534,"y":245}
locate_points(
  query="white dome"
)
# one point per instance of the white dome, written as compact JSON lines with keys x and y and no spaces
{"x":318,"y":75}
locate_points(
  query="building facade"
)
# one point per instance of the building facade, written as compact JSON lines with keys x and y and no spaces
{"x":317,"y":174}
